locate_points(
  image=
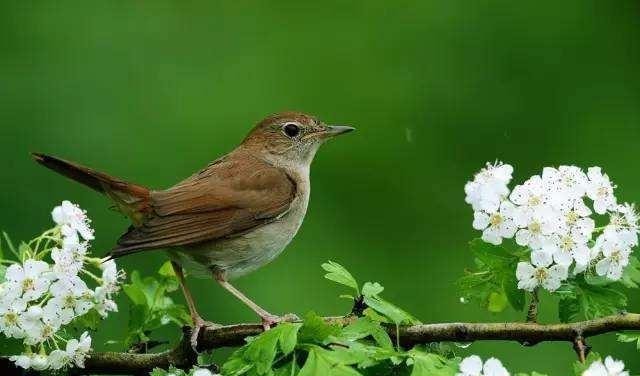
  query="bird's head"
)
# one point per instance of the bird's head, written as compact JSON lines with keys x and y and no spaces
{"x":291,"y":137}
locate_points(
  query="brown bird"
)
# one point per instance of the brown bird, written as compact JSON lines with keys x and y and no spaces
{"x":229,"y":219}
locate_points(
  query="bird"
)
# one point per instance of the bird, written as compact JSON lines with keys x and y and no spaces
{"x":228,"y":219}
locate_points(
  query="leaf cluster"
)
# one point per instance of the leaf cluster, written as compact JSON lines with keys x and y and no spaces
{"x":150,"y":306}
{"x":492,"y":283}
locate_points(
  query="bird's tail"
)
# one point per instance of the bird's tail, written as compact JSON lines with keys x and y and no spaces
{"x":131,"y":199}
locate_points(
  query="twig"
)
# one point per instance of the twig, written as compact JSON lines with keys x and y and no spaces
{"x":532,"y":312}
{"x":581,"y":348}
{"x":230,"y":336}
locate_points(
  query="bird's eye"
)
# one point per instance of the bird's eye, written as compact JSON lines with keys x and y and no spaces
{"x":291,"y":130}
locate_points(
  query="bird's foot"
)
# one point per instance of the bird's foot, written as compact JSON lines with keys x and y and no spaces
{"x":198,"y":325}
{"x":269,"y":320}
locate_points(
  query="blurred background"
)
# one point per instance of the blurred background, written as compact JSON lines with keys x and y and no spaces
{"x":153,"y":90}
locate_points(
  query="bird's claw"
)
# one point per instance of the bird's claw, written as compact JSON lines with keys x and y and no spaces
{"x":269,"y":320}
{"x":198,"y":325}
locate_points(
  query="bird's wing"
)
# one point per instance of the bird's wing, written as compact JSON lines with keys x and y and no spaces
{"x":228,"y":198}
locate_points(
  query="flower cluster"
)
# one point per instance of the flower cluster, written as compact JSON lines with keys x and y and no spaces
{"x":473,"y":366}
{"x":550,"y":215}
{"x":39,"y":299}
{"x":610,"y":367}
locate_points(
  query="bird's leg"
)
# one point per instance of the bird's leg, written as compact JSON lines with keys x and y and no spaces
{"x":198,"y":322}
{"x":267,"y":318}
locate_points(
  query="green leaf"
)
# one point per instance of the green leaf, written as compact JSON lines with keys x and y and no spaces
{"x":3,"y":272}
{"x":493,"y":284}
{"x":366,"y":327}
{"x":261,"y":352}
{"x":166,"y":270}
{"x":288,"y":336}
{"x":396,"y":314}
{"x":321,"y":362}
{"x":631,"y":273}
{"x":630,"y":337}
{"x":315,"y":329}
{"x":497,"y":302}
{"x":425,"y":364}
{"x":337,"y":273}
{"x":578,"y":298}
{"x":135,"y":294}
{"x":371,"y":289}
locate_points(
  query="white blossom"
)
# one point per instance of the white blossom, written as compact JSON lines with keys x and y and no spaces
{"x":540,"y":272}
{"x":11,"y":308}
{"x":31,"y":323}
{"x":615,"y":257}
{"x":473,"y":366}
{"x":564,"y":184}
{"x":537,"y":231}
{"x":569,"y":247}
{"x":79,"y":349}
{"x":610,"y":367}
{"x":203,"y":372}
{"x":71,"y":218}
{"x":600,"y":190}
{"x":489,"y":187}
{"x":498,"y":225}
{"x":59,"y":359}
{"x":32,"y":279}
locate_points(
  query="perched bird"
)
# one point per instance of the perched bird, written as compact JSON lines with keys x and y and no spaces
{"x":227,"y":220}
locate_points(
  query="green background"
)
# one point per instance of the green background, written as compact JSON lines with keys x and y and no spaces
{"x":153,"y":90}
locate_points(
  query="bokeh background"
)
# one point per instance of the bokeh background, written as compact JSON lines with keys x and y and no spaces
{"x":153,"y":90}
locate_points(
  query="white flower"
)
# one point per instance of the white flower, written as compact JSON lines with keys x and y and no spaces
{"x":540,"y":273}
{"x":103,"y":302}
{"x":11,"y":307}
{"x":531,"y":196}
{"x":472,"y":366}
{"x":59,"y":359}
{"x":73,"y":295}
{"x":37,"y":362}
{"x":72,"y":219}
{"x":498,"y":225}
{"x":610,"y":367}
{"x":600,"y":190}
{"x":31,"y":323}
{"x":564,"y":184}
{"x":66,"y":264}
{"x":32,"y":280}
{"x":538,"y":229}
{"x":623,"y":225}
{"x":23,"y":361}
{"x":489,"y":187}
{"x":202,"y":372}
{"x":568,"y":247}
{"x":79,"y":349}
{"x":616,"y":257}
{"x":111,"y":277}
{"x":55,"y":314}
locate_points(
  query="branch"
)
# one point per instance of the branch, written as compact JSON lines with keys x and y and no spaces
{"x":529,"y":334}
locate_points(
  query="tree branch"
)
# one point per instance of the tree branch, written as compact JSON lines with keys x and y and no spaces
{"x":182,"y":356}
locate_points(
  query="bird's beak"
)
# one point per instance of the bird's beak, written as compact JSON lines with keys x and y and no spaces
{"x":336,"y":130}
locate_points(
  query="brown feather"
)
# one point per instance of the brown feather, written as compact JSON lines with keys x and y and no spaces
{"x":231,"y":196}
{"x":131,"y":199}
